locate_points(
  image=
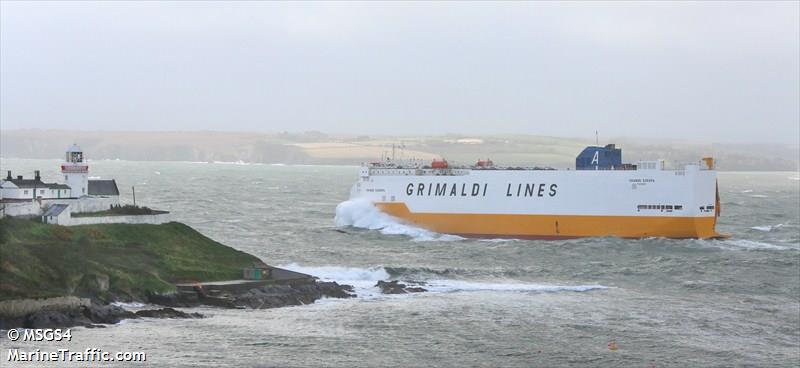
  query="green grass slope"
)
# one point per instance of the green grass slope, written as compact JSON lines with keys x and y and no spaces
{"x":123,"y":260}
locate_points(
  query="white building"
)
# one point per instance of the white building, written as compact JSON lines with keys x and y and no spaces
{"x":30,"y":189}
{"x":56,"y":214}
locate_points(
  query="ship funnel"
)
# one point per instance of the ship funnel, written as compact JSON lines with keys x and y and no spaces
{"x":599,"y":158}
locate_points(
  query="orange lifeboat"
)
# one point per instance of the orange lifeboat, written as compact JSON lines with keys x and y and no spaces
{"x":439,"y":164}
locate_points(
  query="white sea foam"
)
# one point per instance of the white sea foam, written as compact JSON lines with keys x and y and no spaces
{"x":499,"y":240}
{"x":363,"y":214}
{"x":767,"y":228}
{"x":133,"y":305}
{"x":749,"y":244}
{"x":747,"y":191}
{"x":364,"y":279}
{"x":758,"y":196}
{"x":337,"y":273}
{"x":239,"y":162}
{"x":458,"y":286}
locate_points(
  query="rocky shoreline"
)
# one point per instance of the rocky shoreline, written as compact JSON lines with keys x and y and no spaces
{"x":98,"y":313}
{"x":92,"y":316}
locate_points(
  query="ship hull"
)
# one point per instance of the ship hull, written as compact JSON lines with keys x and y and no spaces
{"x":551,"y":227}
{"x":533,"y":204}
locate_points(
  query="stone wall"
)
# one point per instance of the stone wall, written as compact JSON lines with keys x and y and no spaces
{"x":131,"y":219}
{"x":21,"y":307}
{"x":84,"y":204}
{"x":22,"y":209}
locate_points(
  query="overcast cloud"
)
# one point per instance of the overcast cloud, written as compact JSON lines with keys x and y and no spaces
{"x":701,"y":71}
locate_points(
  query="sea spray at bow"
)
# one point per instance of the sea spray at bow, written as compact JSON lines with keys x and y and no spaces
{"x":363,"y":214}
{"x":364,"y":280}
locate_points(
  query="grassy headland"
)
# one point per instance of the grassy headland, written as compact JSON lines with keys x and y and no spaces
{"x":108,"y":260}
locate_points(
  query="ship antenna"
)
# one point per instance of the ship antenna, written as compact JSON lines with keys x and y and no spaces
{"x":596,"y":137}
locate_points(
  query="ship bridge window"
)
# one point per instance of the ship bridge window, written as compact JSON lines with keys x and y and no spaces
{"x":678,"y":207}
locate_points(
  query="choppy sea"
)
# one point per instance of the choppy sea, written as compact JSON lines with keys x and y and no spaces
{"x":493,"y":303}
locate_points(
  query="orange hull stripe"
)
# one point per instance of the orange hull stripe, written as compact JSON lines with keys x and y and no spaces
{"x":555,"y":226}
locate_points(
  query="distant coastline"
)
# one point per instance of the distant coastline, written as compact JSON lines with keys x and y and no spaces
{"x":316,"y":148}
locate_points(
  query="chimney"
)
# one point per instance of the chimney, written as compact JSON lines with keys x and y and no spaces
{"x":9,"y":175}
{"x":36,"y":175}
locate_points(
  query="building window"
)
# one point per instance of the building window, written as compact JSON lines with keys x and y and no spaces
{"x":24,"y":192}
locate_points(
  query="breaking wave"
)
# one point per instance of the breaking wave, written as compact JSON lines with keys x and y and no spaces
{"x":361,"y":213}
{"x":340,"y":274}
{"x":364,"y":279}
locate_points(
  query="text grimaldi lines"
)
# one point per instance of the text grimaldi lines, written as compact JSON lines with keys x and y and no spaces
{"x":480,"y":189}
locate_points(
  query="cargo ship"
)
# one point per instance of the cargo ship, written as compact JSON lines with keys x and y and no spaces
{"x":601,"y":197}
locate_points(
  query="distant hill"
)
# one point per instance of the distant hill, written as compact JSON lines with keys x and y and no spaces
{"x":320,"y":148}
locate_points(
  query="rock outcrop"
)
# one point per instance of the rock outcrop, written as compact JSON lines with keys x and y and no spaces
{"x":395,"y":287}
{"x":274,"y":296}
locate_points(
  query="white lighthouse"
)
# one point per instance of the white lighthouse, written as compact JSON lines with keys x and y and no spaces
{"x":76,"y":172}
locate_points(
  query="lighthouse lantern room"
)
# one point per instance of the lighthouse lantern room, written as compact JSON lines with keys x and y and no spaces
{"x":76,"y":171}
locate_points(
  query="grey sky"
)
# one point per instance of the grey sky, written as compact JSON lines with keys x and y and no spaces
{"x":701,"y":71}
